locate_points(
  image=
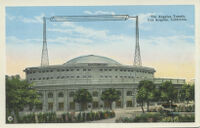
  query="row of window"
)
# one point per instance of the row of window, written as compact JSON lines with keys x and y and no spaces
{"x":95,"y":104}
{"x":62,"y":77}
{"x":62,"y":70}
{"x":71,"y":94}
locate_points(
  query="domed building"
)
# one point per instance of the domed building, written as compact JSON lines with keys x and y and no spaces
{"x":57,"y":83}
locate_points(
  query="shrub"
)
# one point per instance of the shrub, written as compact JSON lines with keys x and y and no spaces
{"x":167,"y":119}
{"x":148,"y":117}
{"x":168,"y":105}
{"x":66,"y":117}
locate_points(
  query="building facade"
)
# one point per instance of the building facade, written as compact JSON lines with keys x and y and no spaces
{"x":57,"y":84}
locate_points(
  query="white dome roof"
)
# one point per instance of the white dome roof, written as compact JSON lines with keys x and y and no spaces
{"x":92,"y":59}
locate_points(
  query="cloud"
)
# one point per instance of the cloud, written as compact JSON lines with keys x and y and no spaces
{"x":100,"y":12}
{"x":143,"y":17}
{"x":10,"y":17}
{"x":74,"y":30}
{"x":15,"y":40}
{"x":65,"y":40}
{"x":35,"y":19}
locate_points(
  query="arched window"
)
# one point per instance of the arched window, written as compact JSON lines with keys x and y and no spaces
{"x":60,"y":94}
{"x":50,"y":95}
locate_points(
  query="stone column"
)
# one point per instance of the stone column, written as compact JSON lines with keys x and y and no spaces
{"x":178,"y":95}
{"x":44,"y":102}
{"x":55,"y":100}
{"x":114,"y":105}
{"x":134,"y":99}
{"x":99,"y":97}
{"x":124,"y":98}
{"x":65,"y":101}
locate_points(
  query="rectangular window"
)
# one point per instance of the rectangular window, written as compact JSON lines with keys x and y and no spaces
{"x":129,"y":104}
{"x":71,"y":105}
{"x":95,"y":94}
{"x":118,"y":104}
{"x":77,"y":69}
{"x":71,"y":94}
{"x":89,"y":69}
{"x":61,"y":106}
{"x":95,"y":104}
{"x":50,"y":106}
{"x":129,"y":93}
{"x":84,"y":69}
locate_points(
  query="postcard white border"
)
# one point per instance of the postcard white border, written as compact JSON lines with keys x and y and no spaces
{"x":6,"y":3}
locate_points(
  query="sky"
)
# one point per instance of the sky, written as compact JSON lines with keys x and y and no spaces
{"x":167,"y":46}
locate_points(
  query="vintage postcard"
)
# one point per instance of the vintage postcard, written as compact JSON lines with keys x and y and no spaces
{"x":101,"y":65}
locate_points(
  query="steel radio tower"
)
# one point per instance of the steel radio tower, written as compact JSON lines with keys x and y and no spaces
{"x":45,"y":58}
{"x":93,"y":18}
{"x":137,"y":58}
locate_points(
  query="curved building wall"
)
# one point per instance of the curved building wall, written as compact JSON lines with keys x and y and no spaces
{"x":88,"y":72}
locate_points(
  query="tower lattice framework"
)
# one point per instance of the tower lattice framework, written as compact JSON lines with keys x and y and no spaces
{"x":137,"y":57}
{"x":45,"y":58}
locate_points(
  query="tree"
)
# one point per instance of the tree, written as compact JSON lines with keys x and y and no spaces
{"x":192,"y":92}
{"x":168,"y":92}
{"x":110,"y":95}
{"x":141,"y":97}
{"x":83,"y":97}
{"x":187,"y":93}
{"x":147,"y":92}
{"x":19,"y":94}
